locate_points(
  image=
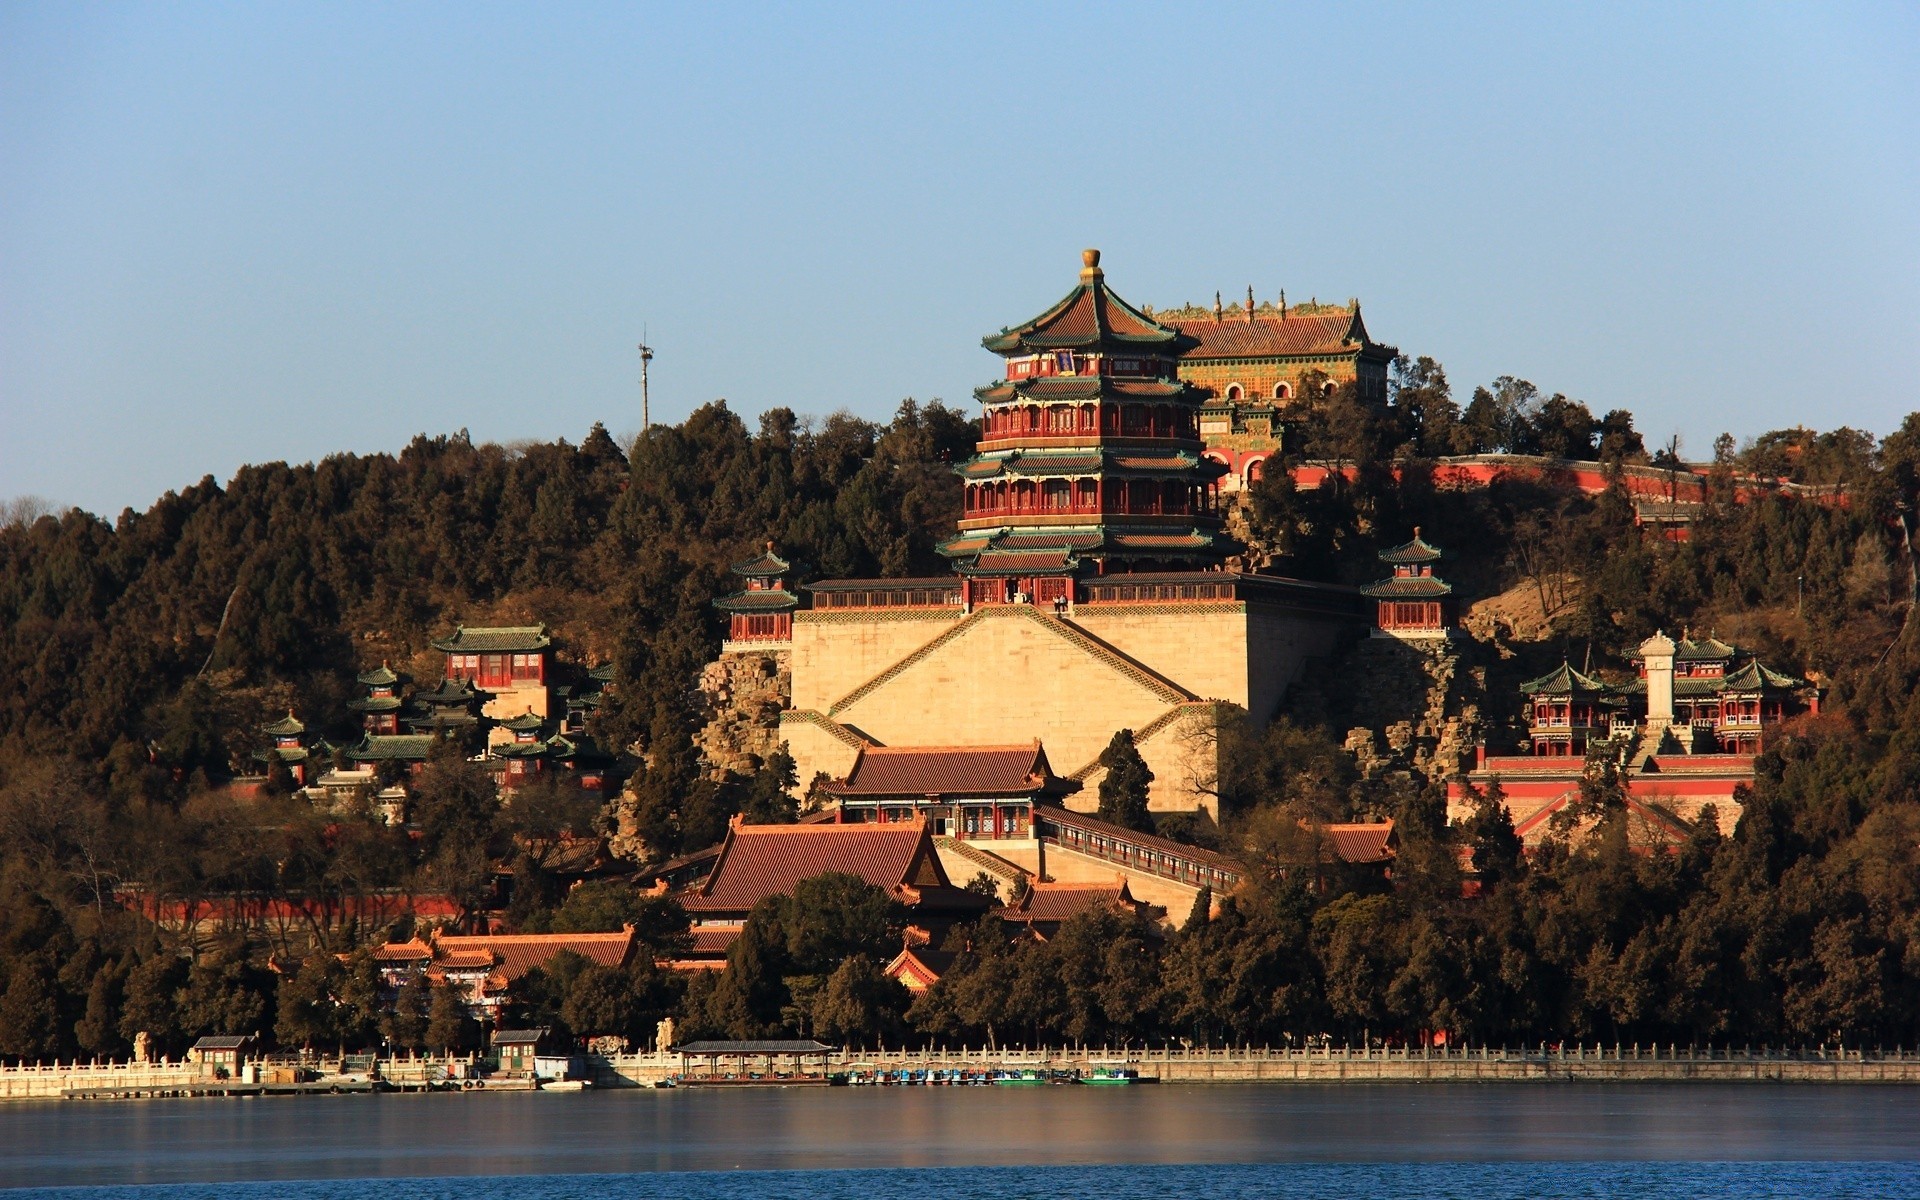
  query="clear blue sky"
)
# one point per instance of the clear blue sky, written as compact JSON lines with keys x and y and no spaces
{"x":245,"y":232}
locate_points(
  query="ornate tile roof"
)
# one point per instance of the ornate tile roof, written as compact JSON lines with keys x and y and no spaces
{"x":393,"y":747}
{"x":1565,"y":681}
{"x":1372,"y":842}
{"x":1048,"y":389}
{"x":1269,"y":334}
{"x":1756,"y":676}
{"x":517,"y":953}
{"x":763,"y":600}
{"x":495,"y":640}
{"x":951,"y":770}
{"x":1407,"y":587}
{"x":380,"y":676}
{"x":1055,"y":903}
{"x":1025,"y":562}
{"x":1416,"y":551}
{"x":1089,"y":317}
{"x":287,"y":726}
{"x":763,"y":565}
{"x":757,"y":861}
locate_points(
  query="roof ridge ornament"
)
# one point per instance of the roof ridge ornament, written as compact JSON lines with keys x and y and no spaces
{"x":1090,"y":265}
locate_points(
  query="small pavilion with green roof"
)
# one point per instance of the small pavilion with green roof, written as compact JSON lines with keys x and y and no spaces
{"x":380,"y":708}
{"x":1413,"y":602}
{"x":1567,"y":711}
{"x":760,"y":614}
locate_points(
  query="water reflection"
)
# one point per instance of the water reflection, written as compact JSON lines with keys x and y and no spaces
{"x":644,"y":1131}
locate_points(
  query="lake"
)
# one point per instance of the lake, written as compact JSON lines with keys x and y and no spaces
{"x":1222,"y":1142}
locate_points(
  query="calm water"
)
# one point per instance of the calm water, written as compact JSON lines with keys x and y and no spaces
{"x":1116,"y":1144}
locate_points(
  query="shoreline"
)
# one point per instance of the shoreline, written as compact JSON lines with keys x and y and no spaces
{"x":921,"y":1068}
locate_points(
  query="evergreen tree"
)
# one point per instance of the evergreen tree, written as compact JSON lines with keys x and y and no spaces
{"x":1123,"y":789}
{"x":405,"y":1026}
{"x":29,"y":1012}
{"x":449,"y":1027}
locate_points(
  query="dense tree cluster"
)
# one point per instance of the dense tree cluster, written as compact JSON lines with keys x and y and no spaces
{"x":142,"y":655}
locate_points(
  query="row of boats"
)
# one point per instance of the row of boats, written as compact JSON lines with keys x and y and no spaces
{"x":1098,"y":1076}
{"x":965,"y":1077}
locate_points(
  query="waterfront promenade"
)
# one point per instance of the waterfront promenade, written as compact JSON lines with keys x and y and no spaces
{"x":1335,"y":1064}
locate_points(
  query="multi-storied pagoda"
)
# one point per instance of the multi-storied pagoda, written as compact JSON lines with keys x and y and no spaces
{"x":1413,"y":601}
{"x":289,"y":745}
{"x":760,"y":614}
{"x":379,"y":709}
{"x":1090,"y":460}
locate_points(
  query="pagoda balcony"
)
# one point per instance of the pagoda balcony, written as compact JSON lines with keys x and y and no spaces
{"x":1092,"y":510}
{"x":1043,"y":518}
{"x":1122,"y":441}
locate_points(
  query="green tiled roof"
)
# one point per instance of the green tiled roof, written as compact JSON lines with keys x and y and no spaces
{"x":767,"y":600}
{"x":1087,"y":318}
{"x":1564,"y":680}
{"x":766,"y":564}
{"x":374,"y":704}
{"x":380,"y":676}
{"x":524,"y":723}
{"x":287,"y":726}
{"x":393,"y":747}
{"x":288,"y":754}
{"x":495,"y":640}
{"x":1407,"y":587}
{"x":1415,"y":551}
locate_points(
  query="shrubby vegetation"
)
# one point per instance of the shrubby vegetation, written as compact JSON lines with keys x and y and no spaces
{"x":141,"y":655}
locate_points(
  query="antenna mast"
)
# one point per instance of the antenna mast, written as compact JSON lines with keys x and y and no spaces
{"x":646,"y":356}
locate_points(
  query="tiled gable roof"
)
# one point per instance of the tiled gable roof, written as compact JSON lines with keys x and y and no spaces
{"x":517,"y":953}
{"x":949,"y":770}
{"x":1269,"y":335}
{"x":495,"y":639}
{"x":1055,"y":902}
{"x":758,"y":861}
{"x":1371,"y":842}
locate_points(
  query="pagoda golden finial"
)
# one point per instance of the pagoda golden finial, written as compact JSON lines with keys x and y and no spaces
{"x":1090,"y":264}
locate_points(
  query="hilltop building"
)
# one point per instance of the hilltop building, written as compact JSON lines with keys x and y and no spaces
{"x":1255,"y":365}
{"x":1093,"y":589}
{"x":760,"y":614}
{"x":380,"y":708}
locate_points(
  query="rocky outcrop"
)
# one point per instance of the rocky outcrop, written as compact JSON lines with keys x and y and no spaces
{"x":741,"y":695}
{"x":1410,"y":704}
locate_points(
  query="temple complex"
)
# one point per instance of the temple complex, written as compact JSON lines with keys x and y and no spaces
{"x":1093,"y":591}
{"x":1255,"y":363}
{"x":1683,"y":735}
{"x":511,"y":663}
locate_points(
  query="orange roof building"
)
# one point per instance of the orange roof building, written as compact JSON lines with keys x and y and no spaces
{"x":759,"y":861}
{"x":968,"y":792}
{"x":484,"y":966}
